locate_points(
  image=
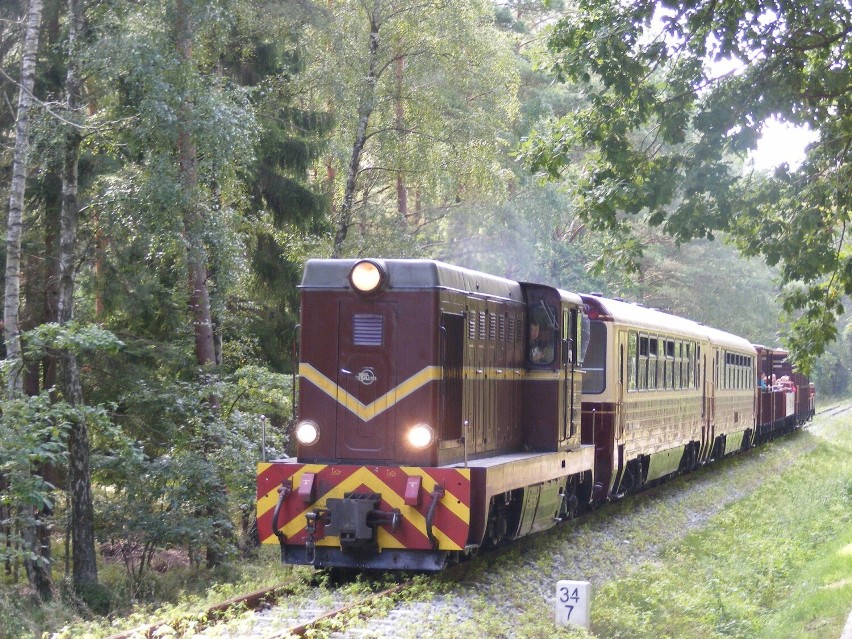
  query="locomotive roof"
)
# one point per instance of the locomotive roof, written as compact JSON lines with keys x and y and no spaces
{"x":412,"y":274}
{"x":653,"y":320}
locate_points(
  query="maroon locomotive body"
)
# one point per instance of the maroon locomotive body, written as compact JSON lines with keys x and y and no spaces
{"x":441,"y":410}
{"x":427,"y":427}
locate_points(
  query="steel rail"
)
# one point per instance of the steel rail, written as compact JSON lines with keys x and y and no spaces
{"x":251,"y":601}
{"x":302,"y":629}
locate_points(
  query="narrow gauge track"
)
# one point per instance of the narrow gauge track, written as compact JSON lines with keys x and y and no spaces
{"x":833,"y":411}
{"x":360,"y":609}
{"x":265,"y":624}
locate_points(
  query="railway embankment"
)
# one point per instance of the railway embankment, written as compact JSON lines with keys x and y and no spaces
{"x":758,"y":546}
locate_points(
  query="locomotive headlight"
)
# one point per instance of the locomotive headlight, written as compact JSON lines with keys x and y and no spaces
{"x":367,"y":276}
{"x":307,"y":433}
{"x":420,"y":435}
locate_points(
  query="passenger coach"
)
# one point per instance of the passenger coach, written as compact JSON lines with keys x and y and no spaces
{"x":661,"y":394}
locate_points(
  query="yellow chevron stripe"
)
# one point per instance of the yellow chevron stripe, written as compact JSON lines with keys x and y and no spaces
{"x":367,"y":478}
{"x":268,"y":501}
{"x":369,"y":411}
{"x":380,"y":405}
{"x":453,"y":503}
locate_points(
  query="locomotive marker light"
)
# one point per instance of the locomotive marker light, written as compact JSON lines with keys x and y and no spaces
{"x":573,"y":603}
{"x":307,"y":432}
{"x":367,"y":276}
{"x":420,"y":436}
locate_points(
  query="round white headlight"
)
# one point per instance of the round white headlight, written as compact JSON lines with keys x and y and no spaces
{"x":307,"y":433}
{"x":420,"y":435}
{"x":366,"y":276}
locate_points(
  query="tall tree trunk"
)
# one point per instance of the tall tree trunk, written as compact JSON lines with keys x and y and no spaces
{"x":199,"y":293}
{"x":14,"y":226}
{"x":84,"y":559}
{"x":366,"y":105}
{"x":199,"y":297}
{"x":401,"y":188}
{"x":38,"y":569}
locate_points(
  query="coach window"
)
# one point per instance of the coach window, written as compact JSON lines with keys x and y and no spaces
{"x":632,"y":361}
{"x":670,"y":364}
{"x":696,"y":367}
{"x":678,"y":366}
{"x":735,"y":372}
{"x":594,"y":366}
{"x":642,"y":373}
{"x":687,"y":365}
{"x":653,"y":367}
{"x":717,"y":378}
{"x":737,"y":365}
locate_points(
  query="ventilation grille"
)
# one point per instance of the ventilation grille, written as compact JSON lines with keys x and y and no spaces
{"x":367,"y":330}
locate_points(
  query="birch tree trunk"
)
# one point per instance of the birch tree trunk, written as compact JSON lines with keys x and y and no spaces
{"x":14,"y":225}
{"x":84,"y":559}
{"x":366,"y":105}
{"x":38,"y":569}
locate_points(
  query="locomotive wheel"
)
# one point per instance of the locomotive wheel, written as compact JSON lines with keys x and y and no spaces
{"x":571,"y":501}
{"x":503,"y":517}
{"x":495,"y":532}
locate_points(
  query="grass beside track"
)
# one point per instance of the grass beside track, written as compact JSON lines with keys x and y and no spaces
{"x":777,"y":564}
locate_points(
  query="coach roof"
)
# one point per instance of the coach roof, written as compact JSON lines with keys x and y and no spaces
{"x":653,"y":320}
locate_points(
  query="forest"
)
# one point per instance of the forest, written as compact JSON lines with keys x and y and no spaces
{"x":168,"y":167}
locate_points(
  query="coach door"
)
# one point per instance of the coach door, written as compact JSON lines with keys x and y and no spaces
{"x":710,"y":373}
{"x":623,"y":370}
{"x":366,"y":379}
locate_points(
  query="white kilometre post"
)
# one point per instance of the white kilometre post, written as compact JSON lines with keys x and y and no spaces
{"x":573,"y":603}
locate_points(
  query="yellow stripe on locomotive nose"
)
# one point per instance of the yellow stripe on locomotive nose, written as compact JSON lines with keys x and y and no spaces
{"x":368,"y":411}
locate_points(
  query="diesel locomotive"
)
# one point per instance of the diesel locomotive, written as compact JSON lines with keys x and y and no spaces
{"x":441,"y":410}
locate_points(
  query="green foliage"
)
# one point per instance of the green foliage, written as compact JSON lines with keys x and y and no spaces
{"x":33,"y":432}
{"x":444,"y":91}
{"x":71,"y":337}
{"x":662,"y":134}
